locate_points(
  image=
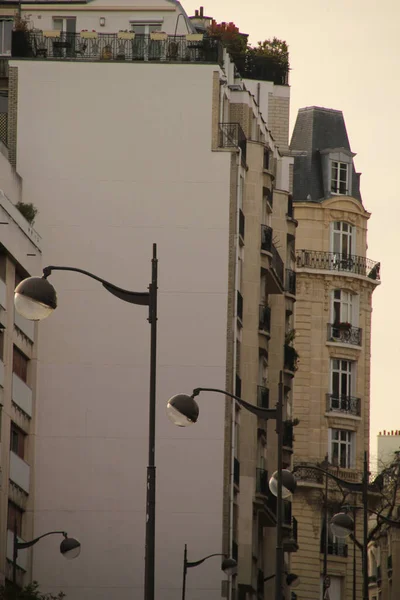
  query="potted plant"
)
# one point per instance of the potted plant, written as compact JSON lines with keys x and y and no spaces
{"x":88,"y":34}
{"x":125,"y":35}
{"x":20,"y":46}
{"x":344,"y":326}
{"x":159,"y":36}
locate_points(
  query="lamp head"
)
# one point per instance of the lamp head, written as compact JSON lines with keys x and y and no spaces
{"x":342,"y":525}
{"x":229,"y":566}
{"x":35,"y":298}
{"x":288,"y":483}
{"x":182,"y":410}
{"x":70,"y":548}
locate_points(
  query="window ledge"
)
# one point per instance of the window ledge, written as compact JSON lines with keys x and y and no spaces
{"x":341,"y":415}
{"x":343,"y":345}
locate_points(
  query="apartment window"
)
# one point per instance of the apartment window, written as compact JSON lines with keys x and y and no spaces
{"x":343,"y":239}
{"x":14,"y":518}
{"x":145,"y":28}
{"x":17,"y":441}
{"x":342,"y":376}
{"x":339,"y":177}
{"x":343,"y":307}
{"x":20,"y":364}
{"x":6,"y":26}
{"x":341,"y":451}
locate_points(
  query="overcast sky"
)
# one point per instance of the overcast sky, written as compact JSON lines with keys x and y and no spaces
{"x":345,"y":55}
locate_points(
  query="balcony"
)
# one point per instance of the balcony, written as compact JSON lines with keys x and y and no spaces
{"x":231,"y":135}
{"x":290,"y":212}
{"x":277,"y":265}
{"x":290,"y":358}
{"x":112,"y":46}
{"x":27,"y":327}
{"x":22,"y":395}
{"x":344,"y":333}
{"x":236,"y":471}
{"x":239,"y":305}
{"x":264,"y":318}
{"x":23,"y":555}
{"x":262,"y":397}
{"x":267,"y":193}
{"x":290,"y":282}
{"x":266,"y":238}
{"x":334,"y":261}
{"x":337,"y":549}
{"x":288,"y":436}
{"x":241,"y":223}
{"x":343,"y":404}
{"x":19,"y":472}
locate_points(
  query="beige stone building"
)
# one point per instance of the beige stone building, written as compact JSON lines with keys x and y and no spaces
{"x":335,"y":282}
{"x":182,"y":149}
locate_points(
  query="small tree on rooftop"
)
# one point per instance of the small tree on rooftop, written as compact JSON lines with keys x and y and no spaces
{"x":273,"y":48}
{"x":28,"y":210}
{"x":234,"y":41}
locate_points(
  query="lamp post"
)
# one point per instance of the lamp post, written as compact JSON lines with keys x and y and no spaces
{"x":228,"y":566}
{"x":35,"y":299}
{"x":70,"y":548}
{"x":183,"y":410}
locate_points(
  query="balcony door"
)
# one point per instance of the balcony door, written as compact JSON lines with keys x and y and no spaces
{"x":342,"y":376}
{"x":66,"y":45}
{"x":343,"y":240}
{"x":143,"y":47}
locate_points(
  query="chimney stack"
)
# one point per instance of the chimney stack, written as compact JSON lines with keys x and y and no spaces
{"x":201,"y":11}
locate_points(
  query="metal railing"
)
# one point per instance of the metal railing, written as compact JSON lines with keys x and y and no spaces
{"x":236,"y":471}
{"x":264,"y":318}
{"x":4,"y":67}
{"x":266,"y":238}
{"x":290,"y":358}
{"x":241,"y":223}
{"x":277,"y":264}
{"x":265,"y":68}
{"x":231,"y":135}
{"x":346,"y":333}
{"x":291,"y":282}
{"x":262,"y":396}
{"x":239,"y":305}
{"x":338,"y":549}
{"x":267,"y":193}
{"x":346,"y":404}
{"x":334,"y":261}
{"x":288,"y":436}
{"x":114,"y":46}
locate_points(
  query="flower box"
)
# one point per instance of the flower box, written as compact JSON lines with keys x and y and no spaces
{"x":194,"y":37}
{"x":344,"y":326}
{"x":52,"y":33}
{"x":158,"y":36}
{"x":125,"y":35}
{"x":89,"y":34}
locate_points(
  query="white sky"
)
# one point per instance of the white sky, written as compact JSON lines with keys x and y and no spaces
{"x":345,"y":55}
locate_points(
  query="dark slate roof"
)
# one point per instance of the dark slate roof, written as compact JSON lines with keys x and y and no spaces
{"x":317,"y":129}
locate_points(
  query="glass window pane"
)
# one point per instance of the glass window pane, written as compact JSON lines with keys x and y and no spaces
{"x":155,"y":27}
{"x":337,"y":294}
{"x":139,"y":29}
{"x":58,"y":24}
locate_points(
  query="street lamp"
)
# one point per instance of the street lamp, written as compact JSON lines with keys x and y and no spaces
{"x":228,"y":566}
{"x":35,"y":299}
{"x":70,"y":548}
{"x":183,"y":410}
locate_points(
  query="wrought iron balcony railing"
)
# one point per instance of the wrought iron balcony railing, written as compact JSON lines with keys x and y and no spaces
{"x":267,"y":193}
{"x":334,"y":261}
{"x":114,"y":46}
{"x":241,"y":223}
{"x":264,"y":318}
{"x":262,"y":396}
{"x":344,"y":404}
{"x":290,"y":358}
{"x":345,"y":333}
{"x":336,"y":549}
{"x":288,"y":436}
{"x":231,"y":135}
{"x":236,"y":471}
{"x":291,"y":282}
{"x":239,"y":305}
{"x":266,"y":238}
{"x":277,"y":265}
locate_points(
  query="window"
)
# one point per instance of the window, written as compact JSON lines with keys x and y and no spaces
{"x":67,"y":24}
{"x":6,"y":26}
{"x":266,"y":159}
{"x":342,"y":307}
{"x":17,"y":441}
{"x":341,"y":448}
{"x":145,"y":28}
{"x":342,"y":376}
{"x":14,"y":518}
{"x":343,"y":239}
{"x":339,"y":177}
{"x":20,"y":364}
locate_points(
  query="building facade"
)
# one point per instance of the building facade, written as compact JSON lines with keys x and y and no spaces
{"x":335,"y":282}
{"x":20,"y":255}
{"x":176,"y":149}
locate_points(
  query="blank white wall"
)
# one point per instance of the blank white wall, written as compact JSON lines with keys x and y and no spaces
{"x":116,"y":157}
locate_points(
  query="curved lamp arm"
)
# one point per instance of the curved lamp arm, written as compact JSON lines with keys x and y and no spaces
{"x":23,"y":545}
{"x":352,"y":486}
{"x":262,"y":413}
{"x":373,"y":512}
{"x":196,"y":563}
{"x":142,"y":298}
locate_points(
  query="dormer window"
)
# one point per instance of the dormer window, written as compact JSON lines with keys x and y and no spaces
{"x":339,"y":177}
